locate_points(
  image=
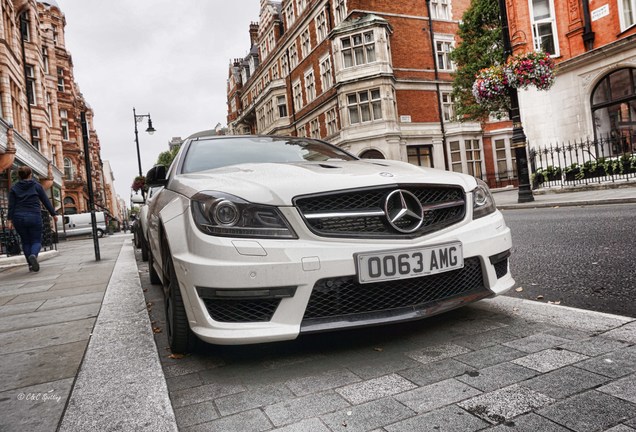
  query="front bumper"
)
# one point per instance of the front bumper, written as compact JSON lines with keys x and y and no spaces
{"x":273,"y":280}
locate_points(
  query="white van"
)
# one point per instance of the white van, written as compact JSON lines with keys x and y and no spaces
{"x":80,"y":224}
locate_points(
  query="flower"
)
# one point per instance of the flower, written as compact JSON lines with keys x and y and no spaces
{"x":139,"y":183}
{"x":534,"y":68}
{"x":490,"y":88}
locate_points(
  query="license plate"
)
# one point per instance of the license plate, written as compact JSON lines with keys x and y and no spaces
{"x":408,"y":263}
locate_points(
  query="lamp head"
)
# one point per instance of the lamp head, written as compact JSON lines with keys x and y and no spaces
{"x":150,"y":129}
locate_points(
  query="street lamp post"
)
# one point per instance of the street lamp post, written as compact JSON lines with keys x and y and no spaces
{"x":518,"y":136}
{"x":150,"y":130}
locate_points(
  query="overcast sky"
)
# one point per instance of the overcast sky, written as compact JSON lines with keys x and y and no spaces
{"x":164,"y":57}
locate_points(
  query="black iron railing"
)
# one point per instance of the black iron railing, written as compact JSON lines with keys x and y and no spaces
{"x":10,"y":240}
{"x":583,"y":162}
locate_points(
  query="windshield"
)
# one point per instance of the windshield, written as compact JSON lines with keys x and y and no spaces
{"x":213,"y":153}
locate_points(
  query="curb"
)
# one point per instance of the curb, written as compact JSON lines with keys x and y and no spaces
{"x":121,"y":385}
{"x":565,"y":204}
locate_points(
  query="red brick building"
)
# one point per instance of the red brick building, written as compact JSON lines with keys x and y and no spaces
{"x":373,"y":77}
{"x":594,"y":45}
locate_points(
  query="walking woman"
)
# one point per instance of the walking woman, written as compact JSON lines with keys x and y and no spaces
{"x":25,"y":214}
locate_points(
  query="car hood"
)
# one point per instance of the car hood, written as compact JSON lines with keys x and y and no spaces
{"x":279,"y":183}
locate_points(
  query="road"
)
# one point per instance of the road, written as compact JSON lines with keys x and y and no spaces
{"x":579,"y":256}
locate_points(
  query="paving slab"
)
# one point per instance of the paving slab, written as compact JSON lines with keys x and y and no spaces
{"x":565,"y":382}
{"x":448,"y":419}
{"x":624,"y":388}
{"x":48,"y":317}
{"x":615,"y":364}
{"x":365,"y":417}
{"x":250,"y":421}
{"x":46,"y":336}
{"x":590,"y":411}
{"x":436,"y":395}
{"x":375,"y":388}
{"x":496,"y":377}
{"x":550,"y":359}
{"x":529,"y":423}
{"x":490,"y":356}
{"x":313,"y":405}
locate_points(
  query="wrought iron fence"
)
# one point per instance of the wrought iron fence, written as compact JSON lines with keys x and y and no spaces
{"x":500,"y":179}
{"x":10,"y":240}
{"x":583,"y":162}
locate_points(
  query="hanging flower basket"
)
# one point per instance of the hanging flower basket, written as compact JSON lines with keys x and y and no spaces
{"x":139,"y":184}
{"x":530,"y":69}
{"x":490,"y":88}
{"x":492,"y":84}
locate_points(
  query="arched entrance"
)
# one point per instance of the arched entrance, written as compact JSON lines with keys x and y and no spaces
{"x":69,"y":206}
{"x":371,"y":154}
{"x":614,"y":110}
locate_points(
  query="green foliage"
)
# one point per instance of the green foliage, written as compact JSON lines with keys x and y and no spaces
{"x":481,"y":47}
{"x":166,"y":158}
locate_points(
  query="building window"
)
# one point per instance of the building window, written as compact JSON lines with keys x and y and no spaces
{"x":544,"y":32}
{"x":35,"y":138}
{"x":54,"y":31}
{"x":49,"y":106}
{"x":305,"y":43}
{"x":25,"y":27}
{"x":300,"y":6}
{"x":269,"y":112}
{"x":282,"y":106}
{"x":326,"y":79}
{"x":289,"y":15}
{"x":60,"y":79}
{"x":275,"y":75}
{"x":45,"y":59}
{"x":456,"y":156}
{"x":314,"y":129}
{"x":614,"y":112}
{"x":358,"y":49}
{"x":440,"y":9}
{"x":321,"y":26}
{"x":30,"y":81}
{"x":293,"y":56}
{"x":448,"y":109}
{"x":627,"y":12}
{"x":64,"y":124}
{"x":68,"y":169}
{"x":332,"y":121}
{"x":473,"y":157}
{"x":506,"y":167}
{"x":271,"y":41}
{"x":364,"y":106}
{"x":260,"y":119}
{"x":284,"y":66}
{"x":302,"y":131}
{"x":297,"y":93}
{"x":420,"y":155}
{"x":310,"y":86}
{"x":339,"y":11}
{"x":443,"y":49}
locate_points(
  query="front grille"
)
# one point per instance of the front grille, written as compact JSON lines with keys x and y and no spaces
{"x":342,"y":296}
{"x":501,"y":268}
{"x":360,"y":213}
{"x":240,"y":311}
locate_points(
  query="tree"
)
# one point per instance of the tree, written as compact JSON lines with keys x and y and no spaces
{"x":481,"y":47}
{"x":166,"y":158}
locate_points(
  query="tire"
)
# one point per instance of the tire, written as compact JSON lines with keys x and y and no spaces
{"x":154,"y":276}
{"x":180,"y":337}
{"x":100,"y":233}
{"x":144,"y":250}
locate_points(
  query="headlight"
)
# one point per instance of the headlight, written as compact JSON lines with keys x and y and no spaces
{"x":483,"y":202}
{"x":225,"y":215}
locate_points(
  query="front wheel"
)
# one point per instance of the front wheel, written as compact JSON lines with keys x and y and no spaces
{"x":100,"y":233}
{"x":180,"y":337}
{"x":144,"y":250}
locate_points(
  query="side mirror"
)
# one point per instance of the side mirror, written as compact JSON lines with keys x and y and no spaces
{"x":137,"y":199}
{"x":156,"y":176}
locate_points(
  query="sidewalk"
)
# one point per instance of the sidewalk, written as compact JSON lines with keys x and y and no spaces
{"x":77,"y":353}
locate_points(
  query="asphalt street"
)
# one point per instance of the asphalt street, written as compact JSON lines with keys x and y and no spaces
{"x":578,"y":256}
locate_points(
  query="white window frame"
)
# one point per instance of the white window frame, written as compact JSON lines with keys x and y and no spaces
{"x":281,"y":102}
{"x":69,"y":169}
{"x":274,"y":71}
{"x":339,"y":11}
{"x":36,"y":139}
{"x":443,"y":47}
{"x":60,"y":79}
{"x":326,"y":74}
{"x":331,"y":118}
{"x":627,"y":11}
{"x":289,"y":15}
{"x":64,"y":124}
{"x":321,"y":26}
{"x":297,"y":94}
{"x":293,"y":56}
{"x":302,"y":131}
{"x":284,"y":65}
{"x":473,"y":164}
{"x":364,"y":102}
{"x":507,"y":158}
{"x":30,"y":78}
{"x":441,"y":9}
{"x":300,"y":6}
{"x":356,"y":49}
{"x":448,"y":106}
{"x":553,"y":25}
{"x":271,"y":41}
{"x":45,"y":59}
{"x":314,"y":128}
{"x":305,"y":43}
{"x":310,"y":85}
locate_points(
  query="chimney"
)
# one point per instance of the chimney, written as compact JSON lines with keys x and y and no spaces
{"x":253,"y":33}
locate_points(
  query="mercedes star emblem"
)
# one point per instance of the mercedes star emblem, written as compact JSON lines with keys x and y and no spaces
{"x":404,"y":211}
